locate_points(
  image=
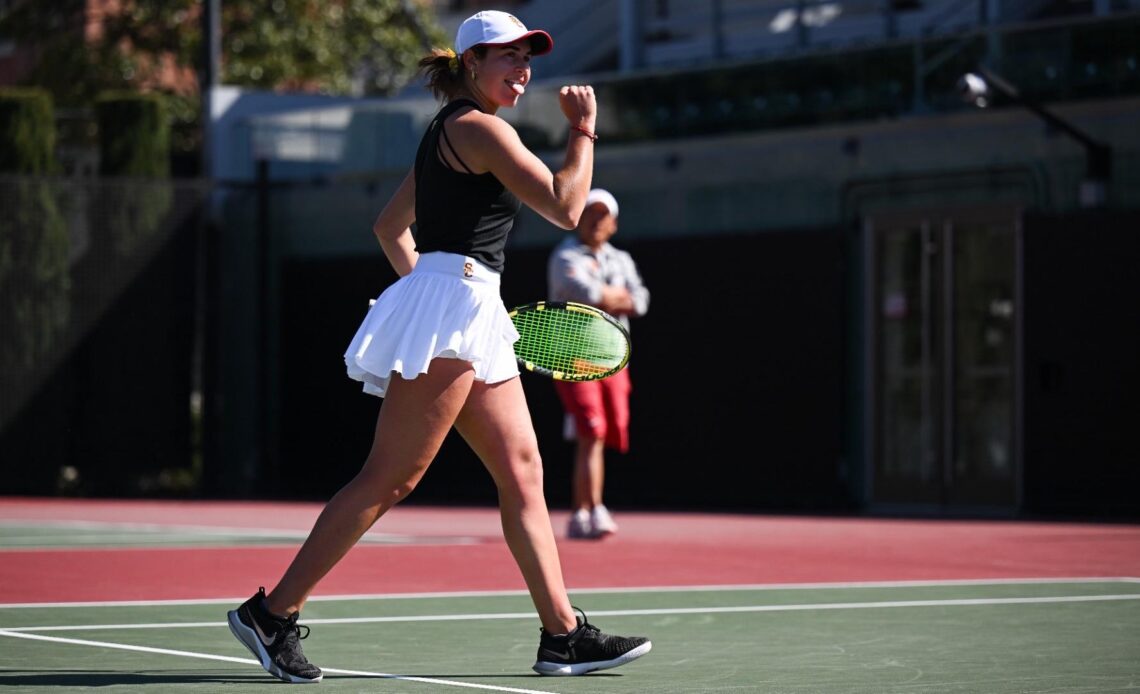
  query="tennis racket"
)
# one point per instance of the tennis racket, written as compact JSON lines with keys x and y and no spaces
{"x":568,"y":341}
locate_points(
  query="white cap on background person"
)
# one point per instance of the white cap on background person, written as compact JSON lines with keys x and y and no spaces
{"x":604,"y":197}
{"x":495,"y":28}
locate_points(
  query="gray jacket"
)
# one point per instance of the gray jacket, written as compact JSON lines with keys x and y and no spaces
{"x":574,"y":273}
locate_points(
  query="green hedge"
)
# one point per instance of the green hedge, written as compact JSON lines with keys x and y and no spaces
{"x":27,"y":131}
{"x":134,"y":135}
{"x":34,"y":242}
{"x":134,"y":142}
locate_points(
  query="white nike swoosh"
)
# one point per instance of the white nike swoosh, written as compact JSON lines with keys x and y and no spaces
{"x":261,"y":634}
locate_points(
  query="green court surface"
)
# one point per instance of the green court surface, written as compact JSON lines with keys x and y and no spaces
{"x":1060,"y":637}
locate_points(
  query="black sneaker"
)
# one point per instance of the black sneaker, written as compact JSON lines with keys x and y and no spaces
{"x":276,"y":642}
{"x":586,"y":649}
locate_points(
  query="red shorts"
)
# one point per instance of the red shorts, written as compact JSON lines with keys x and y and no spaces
{"x":599,"y":408}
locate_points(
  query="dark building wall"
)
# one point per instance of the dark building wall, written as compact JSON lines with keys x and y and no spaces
{"x":1082,"y":364}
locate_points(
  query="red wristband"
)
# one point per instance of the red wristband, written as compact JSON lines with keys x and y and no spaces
{"x":587,"y":133}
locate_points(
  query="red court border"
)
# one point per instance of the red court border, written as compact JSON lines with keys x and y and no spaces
{"x":651,"y":549}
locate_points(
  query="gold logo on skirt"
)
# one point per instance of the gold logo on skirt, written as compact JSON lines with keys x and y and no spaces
{"x":468,"y":270}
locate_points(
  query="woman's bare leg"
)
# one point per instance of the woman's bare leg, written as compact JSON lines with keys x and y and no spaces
{"x":496,"y":423}
{"x":416,"y":416}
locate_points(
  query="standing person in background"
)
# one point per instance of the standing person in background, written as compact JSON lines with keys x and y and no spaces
{"x":437,"y":345}
{"x":588,"y":270}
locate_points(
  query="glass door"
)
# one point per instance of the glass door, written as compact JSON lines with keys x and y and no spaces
{"x":942,"y":339}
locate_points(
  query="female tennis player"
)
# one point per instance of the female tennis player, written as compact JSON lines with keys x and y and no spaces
{"x":437,"y":345}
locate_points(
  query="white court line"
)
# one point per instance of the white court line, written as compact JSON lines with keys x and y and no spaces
{"x":602,"y":591}
{"x":131,"y":532}
{"x":950,"y":602}
{"x":209,"y":530}
{"x":248,"y":661}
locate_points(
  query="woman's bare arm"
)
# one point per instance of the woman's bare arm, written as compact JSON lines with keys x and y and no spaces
{"x":393,"y":227}
{"x":488,"y":143}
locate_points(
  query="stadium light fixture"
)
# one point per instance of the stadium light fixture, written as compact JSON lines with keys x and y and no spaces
{"x":975,"y":88}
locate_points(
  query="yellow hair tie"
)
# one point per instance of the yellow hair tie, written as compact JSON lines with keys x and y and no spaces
{"x":453,"y":62}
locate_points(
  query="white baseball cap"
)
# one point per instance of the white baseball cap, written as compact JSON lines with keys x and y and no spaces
{"x":604,"y":197}
{"x":496,"y":28}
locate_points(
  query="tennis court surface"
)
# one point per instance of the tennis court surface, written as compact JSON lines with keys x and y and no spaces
{"x":130,"y":596}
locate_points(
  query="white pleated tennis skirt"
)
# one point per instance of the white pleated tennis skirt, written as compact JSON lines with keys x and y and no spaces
{"x":447,"y":306}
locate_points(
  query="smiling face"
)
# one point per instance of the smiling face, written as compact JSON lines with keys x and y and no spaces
{"x":502,"y":73}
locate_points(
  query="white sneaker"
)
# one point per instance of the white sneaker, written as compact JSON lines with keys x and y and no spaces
{"x":579,"y":526}
{"x":602,"y":522}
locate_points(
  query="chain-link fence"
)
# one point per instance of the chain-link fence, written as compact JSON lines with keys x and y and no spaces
{"x":99,"y":322}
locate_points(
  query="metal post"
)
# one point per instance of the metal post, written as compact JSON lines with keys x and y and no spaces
{"x":211,"y":73}
{"x":629,"y":27}
{"x":264,"y":389}
{"x":717,"y":12}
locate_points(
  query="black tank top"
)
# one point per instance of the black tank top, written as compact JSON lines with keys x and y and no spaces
{"x":459,"y":211}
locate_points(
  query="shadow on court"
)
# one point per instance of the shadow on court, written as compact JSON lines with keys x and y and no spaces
{"x":152,"y":679}
{"x":101,"y":678}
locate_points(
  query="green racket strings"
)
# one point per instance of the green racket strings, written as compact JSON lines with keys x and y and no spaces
{"x":568,"y":342}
